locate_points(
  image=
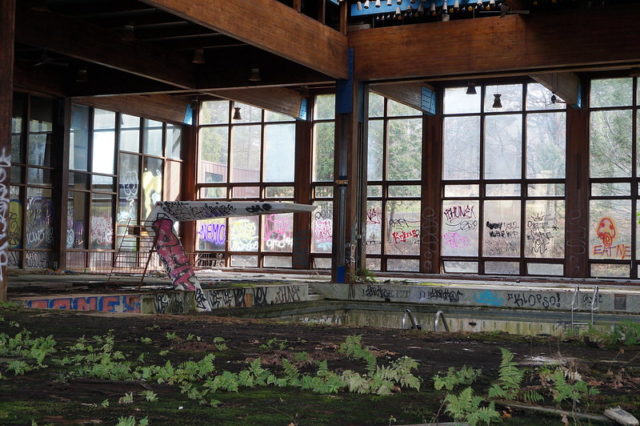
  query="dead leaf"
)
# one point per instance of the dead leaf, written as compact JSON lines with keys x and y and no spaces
{"x":565,"y":420}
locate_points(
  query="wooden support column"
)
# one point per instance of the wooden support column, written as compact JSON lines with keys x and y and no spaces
{"x":302,"y":221}
{"x":344,"y":17}
{"x":431,"y":203}
{"x":577,"y":189}
{"x":7,"y":27}
{"x":349,"y":191}
{"x":61,"y":136}
{"x":189,"y":173}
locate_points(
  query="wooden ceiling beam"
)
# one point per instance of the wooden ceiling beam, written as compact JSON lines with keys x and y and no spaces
{"x":565,"y":85}
{"x":157,"y":107}
{"x":277,"y":99}
{"x":87,"y":42}
{"x":409,"y":94}
{"x":561,"y":39}
{"x":271,"y":26}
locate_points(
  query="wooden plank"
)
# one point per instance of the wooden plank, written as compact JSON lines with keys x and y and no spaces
{"x":7,"y":22}
{"x":302,"y":222}
{"x":157,"y":107}
{"x":39,"y":80}
{"x":188,"y":188}
{"x":277,"y":99}
{"x":271,"y":26}
{"x":564,"y":38}
{"x":409,"y":94}
{"x":81,"y":40}
{"x":565,"y":85}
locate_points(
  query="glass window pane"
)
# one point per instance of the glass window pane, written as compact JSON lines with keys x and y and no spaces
{"x":407,"y":265}
{"x":460,"y":228}
{"x":211,"y":234}
{"x":604,"y":270}
{"x":76,"y":220}
{"x":79,"y":138}
{"x":503,"y":189}
{"x":14,"y":236}
{"x":152,"y":137}
{"x":402,"y":191}
{"x":151,"y":184}
{"x":101,"y":224}
{"x":395,"y":109}
{"x":451,"y":191}
{"x":279,"y":152}
{"x":323,"y":146}
{"x":555,"y":269}
{"x":279,"y":192}
{"x":248,"y":113}
{"x":546,"y":141}
{"x":544,"y":229}
{"x":271,"y":116}
{"x":323,"y":192}
{"x":503,"y":146}
{"x":545,"y":190}
{"x":277,"y":261}
{"x":214,"y":112}
{"x":510,"y":97}
{"x":461,"y":148}
{"x":374,"y":227}
{"x":103,"y":155}
{"x":403,"y":227}
{"x":213,"y":193}
{"x":244,"y":261}
{"x":17,"y":122}
{"x":243,"y":233}
{"x":325,"y":107}
{"x":174,"y":142}
{"x":39,"y":224}
{"x":322,"y":227}
{"x":501,"y":230}
{"x":611,"y":92}
{"x":38,"y":176}
{"x":128,"y":189}
{"x":172,"y":180}
{"x":375,"y":150}
{"x":539,"y":98}
{"x":610,"y":229}
{"x":104,"y":120}
{"x":277,"y":233}
{"x":214,"y":156}
{"x":376,"y":105}
{"x":404,"y":149}
{"x":610,"y":189}
{"x":610,"y":144}
{"x":373,"y":264}
{"x":246,"y":192}
{"x":374,"y":191}
{"x":40,"y":149}
{"x":502,"y":268}
{"x":456,"y":101}
{"x":452,"y":267}
{"x":245,"y":154}
{"x":129,"y":133}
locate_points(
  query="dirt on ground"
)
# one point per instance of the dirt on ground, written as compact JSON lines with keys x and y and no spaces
{"x":49,"y":395}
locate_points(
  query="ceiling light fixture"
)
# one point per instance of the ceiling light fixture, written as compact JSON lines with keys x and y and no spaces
{"x":82,"y":75}
{"x":496,"y":101}
{"x":366,"y":4}
{"x":359,"y":5}
{"x":198,"y":57}
{"x":471,"y":88}
{"x":399,"y":1}
{"x":389,"y":2}
{"x":254,"y":75}
{"x":378,"y":3}
{"x":236,"y":113}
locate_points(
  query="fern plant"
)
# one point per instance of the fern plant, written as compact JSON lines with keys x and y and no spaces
{"x":509,"y":379}
{"x":466,"y":407}
{"x":464,"y":376}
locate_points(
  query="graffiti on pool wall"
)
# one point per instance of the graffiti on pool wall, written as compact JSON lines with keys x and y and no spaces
{"x":5,"y":167}
{"x":256,"y":296}
{"x":123,"y":303}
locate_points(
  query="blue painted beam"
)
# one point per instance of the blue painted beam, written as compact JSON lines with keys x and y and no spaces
{"x":372,"y":10}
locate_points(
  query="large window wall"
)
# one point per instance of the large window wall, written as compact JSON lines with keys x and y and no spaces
{"x":246,"y":158}
{"x":31,"y":234}
{"x":117,"y":169}
{"x":394,"y":174}
{"x":503,"y":181}
{"x":613,"y":165}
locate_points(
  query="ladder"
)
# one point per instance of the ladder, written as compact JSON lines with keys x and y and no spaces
{"x":135,"y":250}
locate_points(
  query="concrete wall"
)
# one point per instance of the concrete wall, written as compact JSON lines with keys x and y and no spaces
{"x":507,"y":297}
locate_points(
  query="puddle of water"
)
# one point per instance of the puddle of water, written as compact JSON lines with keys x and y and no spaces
{"x":457,"y":322}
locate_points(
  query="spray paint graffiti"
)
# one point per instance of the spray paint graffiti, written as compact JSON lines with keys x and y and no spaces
{"x":243,"y":235}
{"x":170,"y":249}
{"x":39,"y":223}
{"x":123,"y":303}
{"x":214,"y":233}
{"x":5,"y":167}
{"x":15,"y":224}
{"x":607,"y":232}
{"x":278,"y":232}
